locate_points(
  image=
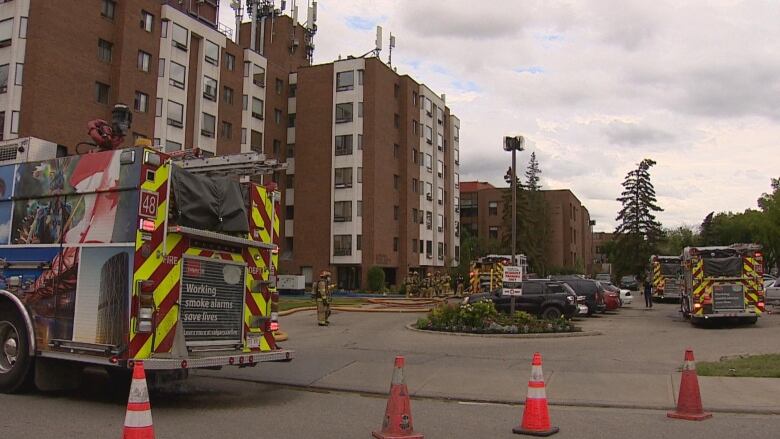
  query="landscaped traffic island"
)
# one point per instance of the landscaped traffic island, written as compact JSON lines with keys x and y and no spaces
{"x":482,"y":318}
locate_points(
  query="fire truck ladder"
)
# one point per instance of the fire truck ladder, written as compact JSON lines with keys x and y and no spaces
{"x":235,"y":165}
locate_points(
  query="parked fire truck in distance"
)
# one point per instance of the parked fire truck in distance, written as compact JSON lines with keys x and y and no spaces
{"x":667,"y":277}
{"x":121,"y":255}
{"x":722,"y":282}
{"x":486,"y":274}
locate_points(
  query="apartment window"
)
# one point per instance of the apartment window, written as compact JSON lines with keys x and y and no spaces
{"x":14,"y":122}
{"x":440,"y":223}
{"x":212,"y":53}
{"x":344,"y":144}
{"x":208,"y":126}
{"x":440,"y":141}
{"x":344,"y":112}
{"x":245,"y":102}
{"x":428,"y":106}
{"x":415,"y":127}
{"x":342,"y":211}
{"x":292,"y":90}
{"x":360,"y":141}
{"x":180,"y":35}
{"x":101,"y":92}
{"x":414,"y":185}
{"x":395,"y":245}
{"x":360,"y":109}
{"x":290,"y":152}
{"x":359,"y":243}
{"x":397,"y":120}
{"x":279,"y":86}
{"x":164,"y":28}
{"x":441,"y":251}
{"x":178,"y":74}
{"x":428,"y":162}
{"x":3,"y":78}
{"x":243,"y":136}
{"x":342,"y":245}
{"x":493,"y":208}
{"x":161,"y":68}
{"x":257,"y":108}
{"x":226,"y":131}
{"x":440,"y":196}
{"x":105,"y":50}
{"x":414,"y":245}
{"x":429,"y":249}
{"x":247,"y":68}
{"x":396,"y":181}
{"x":291,"y":120}
{"x":457,"y":133}
{"x":158,"y":107}
{"x":429,"y":135}
{"x":147,"y":21}
{"x":144,"y":61}
{"x":343,"y":178}
{"x":361,"y":73}
{"x":256,"y":142}
{"x":415,"y":158}
{"x":230,"y":62}
{"x":175,"y":114}
{"x":457,"y":228}
{"x":456,"y":177}
{"x":108,"y":8}
{"x":171,"y":146}
{"x":360,"y":174}
{"x":141,"y":103}
{"x":360,"y":209}
{"x":493,"y":232}
{"x":227,"y":95}
{"x":396,"y":212}
{"x":414,"y":98}
{"x":457,"y":156}
{"x":210,"y":88}
{"x":277,"y":145}
{"x":440,"y":168}
{"x":259,"y":77}
{"x":345,"y":80}
{"x":277,"y":116}
{"x":414,"y":215}
{"x":429,"y":220}
{"x":422,"y":246}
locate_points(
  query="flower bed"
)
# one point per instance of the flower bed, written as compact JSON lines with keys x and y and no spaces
{"x":482,"y":318}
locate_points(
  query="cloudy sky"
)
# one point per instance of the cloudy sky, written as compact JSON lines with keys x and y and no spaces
{"x":595,"y":87}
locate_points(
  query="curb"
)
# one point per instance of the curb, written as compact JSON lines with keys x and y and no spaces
{"x":351,"y":309}
{"x":411,"y":327}
{"x":455,"y":398}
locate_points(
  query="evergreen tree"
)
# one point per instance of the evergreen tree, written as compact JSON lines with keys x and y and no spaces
{"x":522,"y":215}
{"x":536,"y":238}
{"x":705,"y":230}
{"x":532,"y":174}
{"x":638,"y":230}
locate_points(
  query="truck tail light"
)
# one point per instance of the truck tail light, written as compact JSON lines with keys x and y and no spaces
{"x":274,"y":326}
{"x":697,"y":306}
{"x":147,"y":225}
{"x":760,"y":305}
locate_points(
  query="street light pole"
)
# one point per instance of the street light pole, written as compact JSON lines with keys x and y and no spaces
{"x":514,"y":144}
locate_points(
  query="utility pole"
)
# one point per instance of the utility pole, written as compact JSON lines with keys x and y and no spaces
{"x":514,"y":144}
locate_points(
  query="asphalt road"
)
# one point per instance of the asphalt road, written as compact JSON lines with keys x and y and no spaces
{"x":217,"y":407}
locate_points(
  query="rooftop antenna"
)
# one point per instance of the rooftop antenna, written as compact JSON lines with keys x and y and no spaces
{"x":259,"y":11}
{"x":392,"y":45}
{"x":311,"y":29}
{"x":377,"y":45}
{"x":239,"y":11}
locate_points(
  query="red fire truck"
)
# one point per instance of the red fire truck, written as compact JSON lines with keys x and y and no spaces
{"x":121,"y":255}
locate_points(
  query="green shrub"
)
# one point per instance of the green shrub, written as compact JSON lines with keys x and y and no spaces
{"x":482,"y":318}
{"x":376,"y":279}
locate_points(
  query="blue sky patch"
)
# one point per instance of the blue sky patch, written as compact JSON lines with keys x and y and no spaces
{"x":534,"y":70}
{"x":363,"y":23}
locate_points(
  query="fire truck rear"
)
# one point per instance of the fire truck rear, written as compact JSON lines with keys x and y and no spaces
{"x":723,"y":282}
{"x":115,"y":256}
{"x":667,"y":277}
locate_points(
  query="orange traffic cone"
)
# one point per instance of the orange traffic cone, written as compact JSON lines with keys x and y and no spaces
{"x":138,"y":420}
{"x":689,"y":400}
{"x":398,"y":415}
{"x":536,"y":418}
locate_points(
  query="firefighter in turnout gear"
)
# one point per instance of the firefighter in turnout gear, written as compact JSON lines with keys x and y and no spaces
{"x":322,"y":290}
{"x":412,"y":284}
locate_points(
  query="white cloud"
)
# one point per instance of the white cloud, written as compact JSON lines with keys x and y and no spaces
{"x":595,"y":87}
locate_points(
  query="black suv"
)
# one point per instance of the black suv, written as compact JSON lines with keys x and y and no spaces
{"x":545,"y":298}
{"x":591,"y":289}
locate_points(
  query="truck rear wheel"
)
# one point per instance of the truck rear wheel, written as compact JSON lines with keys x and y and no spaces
{"x":15,"y":360}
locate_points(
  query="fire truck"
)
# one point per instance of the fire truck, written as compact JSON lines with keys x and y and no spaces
{"x":486,"y":274}
{"x":723,"y":282}
{"x":667,"y":277}
{"x":120,"y":255}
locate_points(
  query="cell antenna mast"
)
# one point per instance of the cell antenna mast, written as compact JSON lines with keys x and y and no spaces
{"x":392,"y":45}
{"x":239,"y":11}
{"x":377,"y":45}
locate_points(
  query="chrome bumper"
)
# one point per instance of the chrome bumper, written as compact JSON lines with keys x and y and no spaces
{"x":232,"y":359}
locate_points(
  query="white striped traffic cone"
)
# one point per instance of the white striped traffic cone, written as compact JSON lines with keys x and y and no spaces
{"x":536,"y":417}
{"x":138,"y":420}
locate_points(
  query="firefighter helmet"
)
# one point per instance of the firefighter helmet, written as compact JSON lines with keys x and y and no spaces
{"x":325,"y":273}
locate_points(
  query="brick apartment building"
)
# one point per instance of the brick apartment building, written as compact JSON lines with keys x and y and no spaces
{"x":190,"y":84}
{"x":374,"y":177}
{"x":601,"y":263}
{"x":571,"y":229}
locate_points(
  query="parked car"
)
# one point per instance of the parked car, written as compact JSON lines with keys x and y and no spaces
{"x":629,"y":283}
{"x":591,"y":289}
{"x":541,"y":297}
{"x":603,"y":277}
{"x":772,"y":296}
{"x":624,"y":296}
